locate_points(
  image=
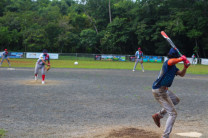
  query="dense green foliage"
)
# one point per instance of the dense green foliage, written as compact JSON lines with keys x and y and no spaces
{"x":104,"y":26}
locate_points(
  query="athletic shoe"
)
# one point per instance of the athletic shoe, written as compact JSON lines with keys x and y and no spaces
{"x":36,"y":78}
{"x":142,"y":70}
{"x":133,"y":70}
{"x":156,"y":119}
{"x":43,"y":82}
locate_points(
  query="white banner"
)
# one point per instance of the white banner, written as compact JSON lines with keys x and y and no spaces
{"x":204,"y":61}
{"x":190,"y":59}
{"x":193,"y":61}
{"x":165,"y":58}
{"x":37,"y":55}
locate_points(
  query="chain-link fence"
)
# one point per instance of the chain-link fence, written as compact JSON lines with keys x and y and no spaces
{"x":106,"y":57}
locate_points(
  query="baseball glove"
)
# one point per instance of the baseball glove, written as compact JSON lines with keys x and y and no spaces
{"x":48,"y":68}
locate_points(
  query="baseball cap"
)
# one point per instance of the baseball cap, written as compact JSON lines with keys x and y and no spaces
{"x":5,"y":49}
{"x":139,"y":48}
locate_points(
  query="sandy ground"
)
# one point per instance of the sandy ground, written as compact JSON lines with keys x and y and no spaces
{"x":89,"y":103}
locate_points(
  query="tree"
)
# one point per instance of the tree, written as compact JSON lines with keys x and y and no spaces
{"x":35,"y":39}
{"x":5,"y":38}
{"x":116,"y":37}
{"x":89,"y":40}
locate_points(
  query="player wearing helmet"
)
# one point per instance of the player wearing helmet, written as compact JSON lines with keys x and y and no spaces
{"x":163,"y":95}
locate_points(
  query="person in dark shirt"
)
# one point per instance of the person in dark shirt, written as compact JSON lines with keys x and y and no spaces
{"x":163,"y":95}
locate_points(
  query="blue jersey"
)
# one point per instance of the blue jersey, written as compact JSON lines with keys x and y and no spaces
{"x":138,"y":54}
{"x":166,"y":76}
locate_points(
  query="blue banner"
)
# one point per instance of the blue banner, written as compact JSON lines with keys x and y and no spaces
{"x":113,"y":58}
{"x":157,"y":59}
{"x":13,"y":54}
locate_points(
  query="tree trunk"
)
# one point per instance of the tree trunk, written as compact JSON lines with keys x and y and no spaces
{"x":109,"y":11}
{"x":92,"y":23}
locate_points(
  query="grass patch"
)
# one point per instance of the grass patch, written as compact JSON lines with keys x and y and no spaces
{"x":92,"y":64}
{"x":2,"y":133}
{"x":71,"y":57}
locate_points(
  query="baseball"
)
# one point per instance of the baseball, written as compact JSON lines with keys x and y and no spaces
{"x":76,"y":63}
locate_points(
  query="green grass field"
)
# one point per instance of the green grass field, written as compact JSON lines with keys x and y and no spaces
{"x":92,"y":64}
{"x":2,"y":133}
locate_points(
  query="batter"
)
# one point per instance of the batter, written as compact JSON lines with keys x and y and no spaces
{"x":163,"y":95}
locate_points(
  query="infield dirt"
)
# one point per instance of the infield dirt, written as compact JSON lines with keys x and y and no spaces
{"x":96,"y":103}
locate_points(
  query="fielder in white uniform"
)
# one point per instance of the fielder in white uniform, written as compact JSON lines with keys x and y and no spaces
{"x":5,"y":55}
{"x":138,"y":58}
{"x":163,"y":95}
{"x":40,"y":64}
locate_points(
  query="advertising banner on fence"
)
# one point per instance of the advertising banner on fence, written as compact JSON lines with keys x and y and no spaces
{"x":37,"y":55}
{"x":204,"y":61}
{"x":157,"y":59}
{"x":16,"y":55}
{"x":113,"y":58}
{"x":97,"y":57}
{"x":190,"y":59}
{"x":13,"y":54}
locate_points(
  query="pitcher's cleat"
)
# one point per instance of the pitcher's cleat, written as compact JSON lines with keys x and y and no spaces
{"x":36,"y":78}
{"x":133,"y":70}
{"x":43,"y":82}
{"x":156,"y":119}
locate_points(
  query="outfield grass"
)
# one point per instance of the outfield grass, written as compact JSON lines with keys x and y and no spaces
{"x":2,"y":133}
{"x":197,"y":69}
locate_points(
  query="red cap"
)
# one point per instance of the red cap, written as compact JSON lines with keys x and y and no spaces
{"x":5,"y":49}
{"x":139,"y":48}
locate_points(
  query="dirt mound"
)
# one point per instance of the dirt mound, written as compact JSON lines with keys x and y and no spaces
{"x":132,"y":133}
{"x":38,"y":82}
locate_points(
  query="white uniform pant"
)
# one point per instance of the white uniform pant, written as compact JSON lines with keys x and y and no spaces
{"x":167,"y":100}
{"x":38,"y":66}
{"x":6,"y":59}
{"x":136,"y":62}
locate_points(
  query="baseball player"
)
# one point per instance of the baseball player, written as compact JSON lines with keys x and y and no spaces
{"x":163,"y":95}
{"x":40,"y":64}
{"x":5,"y":55}
{"x":138,"y":58}
{"x":193,"y":59}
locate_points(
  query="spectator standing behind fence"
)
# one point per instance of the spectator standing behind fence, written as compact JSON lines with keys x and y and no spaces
{"x":193,"y":59}
{"x":5,"y":55}
{"x":139,"y":58}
